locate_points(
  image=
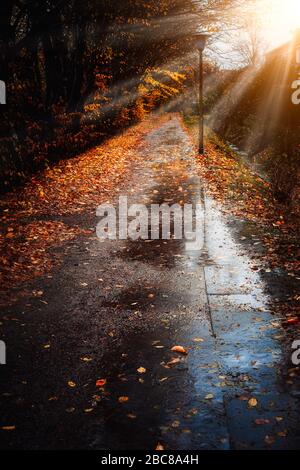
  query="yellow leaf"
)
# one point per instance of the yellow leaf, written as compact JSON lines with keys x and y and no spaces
{"x":209,"y":396}
{"x":86,"y":359}
{"x":163,"y":379}
{"x":252,"y":402}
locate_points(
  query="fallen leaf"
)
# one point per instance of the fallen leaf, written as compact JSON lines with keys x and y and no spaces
{"x":175,"y":424}
{"x":293,"y":321}
{"x":159,"y":446}
{"x":279,"y":418}
{"x":209,"y":396}
{"x":198,"y":340}
{"x":100,"y":382}
{"x":252,"y":402}
{"x":71,"y":384}
{"x":261,"y":422}
{"x":163,"y":379}
{"x":86,"y":359}
{"x":123,"y":399}
{"x":141,"y":370}
{"x":179,"y":349}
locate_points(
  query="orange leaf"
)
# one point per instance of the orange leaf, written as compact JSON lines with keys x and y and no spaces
{"x":179,"y":349}
{"x":100,"y":382}
{"x":123,"y":399}
{"x":159,"y":446}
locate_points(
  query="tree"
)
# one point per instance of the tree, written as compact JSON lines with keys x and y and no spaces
{"x":72,"y":66}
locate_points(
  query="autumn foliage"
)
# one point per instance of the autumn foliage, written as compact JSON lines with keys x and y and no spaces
{"x":77,"y":72}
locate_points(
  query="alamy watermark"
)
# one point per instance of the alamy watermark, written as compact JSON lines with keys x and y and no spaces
{"x":2,"y":92}
{"x":296,"y":93}
{"x":160,"y":221}
{"x":296,"y":353}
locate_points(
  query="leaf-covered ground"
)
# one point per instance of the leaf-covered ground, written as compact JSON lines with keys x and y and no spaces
{"x":32,"y":218}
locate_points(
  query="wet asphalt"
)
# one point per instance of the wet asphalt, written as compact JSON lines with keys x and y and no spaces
{"x":114,"y":307}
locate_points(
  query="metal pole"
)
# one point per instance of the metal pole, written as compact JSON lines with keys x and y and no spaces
{"x":201,"y":124}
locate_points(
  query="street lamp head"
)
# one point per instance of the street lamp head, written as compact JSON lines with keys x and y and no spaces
{"x":200,"y":40}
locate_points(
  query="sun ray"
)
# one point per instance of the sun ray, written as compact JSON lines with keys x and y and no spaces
{"x":230,"y":98}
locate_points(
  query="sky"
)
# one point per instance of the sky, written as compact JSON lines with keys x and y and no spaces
{"x":279,"y":18}
{"x":276,"y":22}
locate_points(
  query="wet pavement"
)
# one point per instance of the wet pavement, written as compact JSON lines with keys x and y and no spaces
{"x":118,"y":306}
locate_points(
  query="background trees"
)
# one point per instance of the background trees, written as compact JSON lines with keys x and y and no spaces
{"x":78,"y":70}
{"x":71,"y":69}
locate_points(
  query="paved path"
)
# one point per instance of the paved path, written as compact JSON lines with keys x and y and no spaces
{"x":124,"y":305}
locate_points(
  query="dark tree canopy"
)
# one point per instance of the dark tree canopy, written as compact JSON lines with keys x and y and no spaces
{"x":75,"y":68}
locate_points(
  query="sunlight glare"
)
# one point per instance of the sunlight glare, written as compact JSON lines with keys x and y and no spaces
{"x":280,"y":20}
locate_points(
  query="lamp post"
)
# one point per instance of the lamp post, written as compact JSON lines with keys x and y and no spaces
{"x":200,"y":42}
